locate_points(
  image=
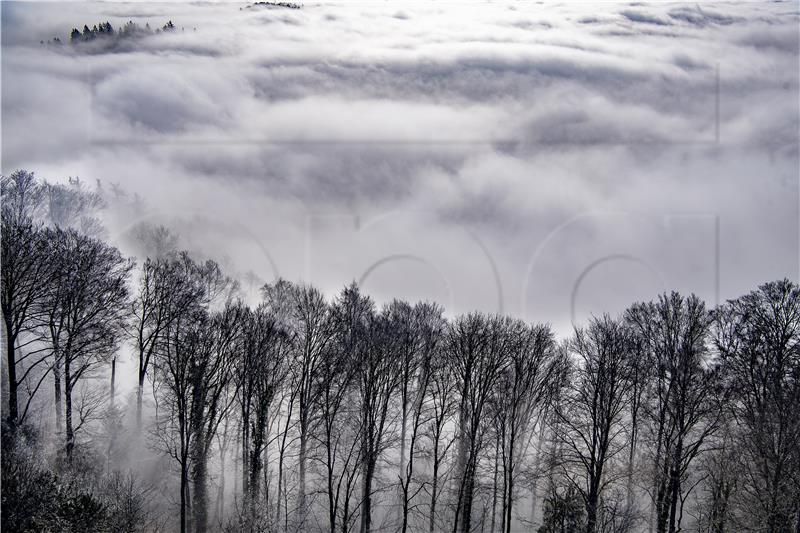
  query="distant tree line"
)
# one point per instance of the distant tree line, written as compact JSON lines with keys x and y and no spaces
{"x":105,"y":33}
{"x":287,"y":5}
{"x":304,"y":413}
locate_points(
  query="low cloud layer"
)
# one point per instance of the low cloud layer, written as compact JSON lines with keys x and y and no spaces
{"x":544,"y":160}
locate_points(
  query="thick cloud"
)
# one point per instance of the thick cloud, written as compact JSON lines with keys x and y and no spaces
{"x":547,"y":160}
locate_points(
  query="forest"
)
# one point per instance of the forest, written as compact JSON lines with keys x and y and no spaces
{"x":310,"y":412}
{"x":104,"y":37}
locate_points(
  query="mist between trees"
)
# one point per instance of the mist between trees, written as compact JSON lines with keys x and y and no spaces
{"x":304,"y":413}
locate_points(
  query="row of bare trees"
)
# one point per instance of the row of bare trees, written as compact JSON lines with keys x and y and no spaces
{"x":308,"y":413}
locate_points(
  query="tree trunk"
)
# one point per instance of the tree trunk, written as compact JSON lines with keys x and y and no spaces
{"x":245,"y":435}
{"x":237,"y":456}
{"x":70,"y":440}
{"x":184,"y":484}
{"x":281,"y":455}
{"x":434,"y":486}
{"x":403,"y":422}
{"x":331,"y":502}
{"x":256,"y":463}
{"x":461,"y":463}
{"x":508,"y":480}
{"x":591,"y":512}
{"x":266,"y":479}
{"x":675,"y":486}
{"x":346,"y":508}
{"x":655,"y":508}
{"x":220,"y":506}
{"x":404,"y":510}
{"x":301,"y":488}
{"x":509,"y":498}
{"x":662,"y":510}
{"x":466,"y":504}
{"x":57,"y":391}
{"x":280,"y":487}
{"x":593,"y":496}
{"x":113,"y":378}
{"x":366,"y":497}
{"x":631,"y":460}
{"x":13,"y":409}
{"x":200,"y":504}
{"x":410,"y":470}
{"x":139,"y":399}
{"x":285,"y":506}
{"x":536,"y":462}
{"x":494,"y":482}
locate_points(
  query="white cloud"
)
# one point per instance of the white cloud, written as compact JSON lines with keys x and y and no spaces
{"x":446,"y":150}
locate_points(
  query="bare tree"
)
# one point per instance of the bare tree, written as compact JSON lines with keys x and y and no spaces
{"x":427,"y":327}
{"x":684,"y":407}
{"x":162,"y":296}
{"x":155,"y":242}
{"x":314,"y":331}
{"x":443,"y":406}
{"x":640,"y":375}
{"x":28,"y":204}
{"x":279,"y":299}
{"x":407,"y":347}
{"x":440,"y":417}
{"x":260,"y":372}
{"x":194,"y":368}
{"x":339,"y":428}
{"x":379,"y":373}
{"x":522,"y":390}
{"x":214,"y":342}
{"x":73,"y":206}
{"x":722,"y":471}
{"x":758,"y":338}
{"x":172,"y":427}
{"x":87,"y":298}
{"x":24,"y":282}
{"x":591,"y":411}
{"x":477,"y":347}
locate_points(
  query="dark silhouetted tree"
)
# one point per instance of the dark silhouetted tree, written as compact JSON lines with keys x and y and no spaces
{"x":24,"y":277}
{"x":758,"y":338}
{"x":87,"y":299}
